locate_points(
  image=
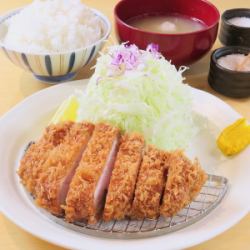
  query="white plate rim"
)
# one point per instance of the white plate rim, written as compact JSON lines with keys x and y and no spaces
{"x":112,"y":244}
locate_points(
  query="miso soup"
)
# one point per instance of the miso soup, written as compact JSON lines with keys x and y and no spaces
{"x":166,"y":24}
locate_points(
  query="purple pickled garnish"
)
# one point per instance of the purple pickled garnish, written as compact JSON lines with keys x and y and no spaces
{"x":97,"y":80}
{"x":153,"y":49}
{"x":128,"y":56}
{"x":117,"y":59}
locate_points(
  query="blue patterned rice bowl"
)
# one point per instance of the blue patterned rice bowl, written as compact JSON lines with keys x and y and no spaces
{"x":54,"y":67}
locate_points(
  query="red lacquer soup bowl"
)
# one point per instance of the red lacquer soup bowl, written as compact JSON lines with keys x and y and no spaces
{"x":182,"y":48}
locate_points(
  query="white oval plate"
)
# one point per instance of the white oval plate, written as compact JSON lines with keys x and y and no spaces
{"x":26,"y":121}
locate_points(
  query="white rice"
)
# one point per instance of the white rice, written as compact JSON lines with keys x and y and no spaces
{"x":53,"y":26}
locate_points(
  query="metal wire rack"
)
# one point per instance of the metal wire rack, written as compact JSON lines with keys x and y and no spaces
{"x":210,"y":196}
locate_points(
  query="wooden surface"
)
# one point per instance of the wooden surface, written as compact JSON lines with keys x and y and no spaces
{"x":15,"y":85}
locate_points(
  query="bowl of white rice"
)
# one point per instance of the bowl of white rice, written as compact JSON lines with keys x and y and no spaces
{"x":53,"y":39}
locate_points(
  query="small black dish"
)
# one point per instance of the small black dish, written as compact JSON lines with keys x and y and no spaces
{"x":232,"y":35}
{"x":228,"y":82}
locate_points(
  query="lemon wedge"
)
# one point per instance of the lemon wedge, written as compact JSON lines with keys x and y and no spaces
{"x":234,"y":138}
{"x":67,"y":111}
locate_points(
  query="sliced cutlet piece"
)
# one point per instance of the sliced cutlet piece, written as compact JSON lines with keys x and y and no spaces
{"x":35,"y":156}
{"x":59,"y":169}
{"x":150,"y":184}
{"x":86,"y":196}
{"x":201,"y":178}
{"x":122,"y":184}
{"x":185,"y":180}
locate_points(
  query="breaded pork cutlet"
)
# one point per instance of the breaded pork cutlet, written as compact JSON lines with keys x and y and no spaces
{"x":88,"y":189}
{"x":184,"y":181}
{"x":36,"y":155}
{"x":59,"y":168}
{"x":201,"y":178}
{"x":150,"y":184}
{"x":122,"y":184}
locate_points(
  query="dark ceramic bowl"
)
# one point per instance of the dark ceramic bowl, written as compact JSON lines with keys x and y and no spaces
{"x":228,"y":82}
{"x":232,"y":35}
{"x":181,"y":49}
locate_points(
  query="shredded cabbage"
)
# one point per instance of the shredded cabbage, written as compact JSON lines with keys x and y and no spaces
{"x":140,"y":91}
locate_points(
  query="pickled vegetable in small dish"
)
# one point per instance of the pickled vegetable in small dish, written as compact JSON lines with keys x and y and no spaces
{"x":235,"y":27}
{"x":229,"y":72}
{"x":235,"y":62}
{"x":240,"y":21}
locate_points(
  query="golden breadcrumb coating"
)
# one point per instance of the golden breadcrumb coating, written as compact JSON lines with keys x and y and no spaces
{"x":59,"y":168}
{"x":199,"y":182}
{"x":80,"y":203}
{"x":35,"y":156}
{"x":69,"y":168}
{"x":150,"y":184}
{"x":184,"y":181}
{"x":122,"y":184}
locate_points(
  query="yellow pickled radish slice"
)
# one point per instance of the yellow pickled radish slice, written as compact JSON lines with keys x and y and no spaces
{"x":67,"y":111}
{"x":235,"y":137}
